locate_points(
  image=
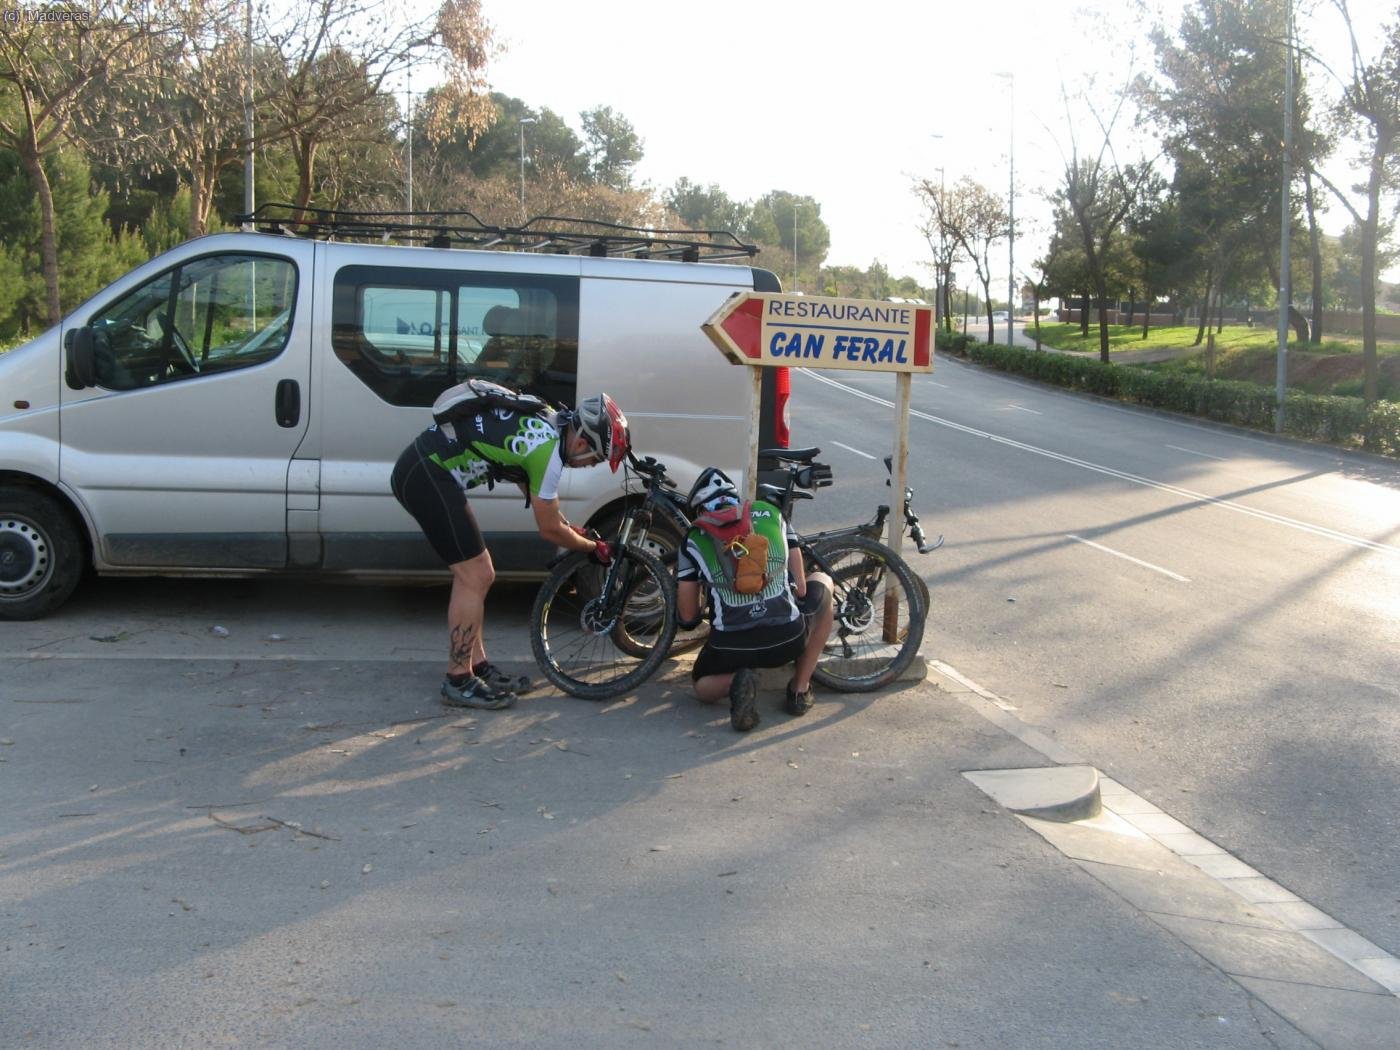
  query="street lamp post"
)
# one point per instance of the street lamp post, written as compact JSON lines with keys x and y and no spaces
{"x":523,"y":122}
{"x":1285,"y":281}
{"x":248,"y":111}
{"x":408,"y":197}
{"x":1010,"y":79}
{"x":940,"y":291}
{"x":794,"y":245}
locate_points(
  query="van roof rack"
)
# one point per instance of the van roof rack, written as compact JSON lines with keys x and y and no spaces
{"x":552,"y":234}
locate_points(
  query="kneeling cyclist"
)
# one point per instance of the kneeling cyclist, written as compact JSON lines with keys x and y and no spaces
{"x":764,"y":610}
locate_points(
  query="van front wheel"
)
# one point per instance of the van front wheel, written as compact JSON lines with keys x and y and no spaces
{"x":40,"y":554}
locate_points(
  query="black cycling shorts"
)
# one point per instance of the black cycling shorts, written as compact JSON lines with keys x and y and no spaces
{"x":771,"y":646}
{"x":438,"y":504}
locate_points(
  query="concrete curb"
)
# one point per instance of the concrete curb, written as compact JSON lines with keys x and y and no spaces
{"x":1060,"y":793}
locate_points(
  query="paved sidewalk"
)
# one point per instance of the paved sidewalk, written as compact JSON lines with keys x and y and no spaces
{"x":239,"y":847}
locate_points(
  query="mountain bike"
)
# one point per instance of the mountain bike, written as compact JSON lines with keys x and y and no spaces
{"x":582,"y":612}
{"x":598,"y":633}
{"x":880,"y":605}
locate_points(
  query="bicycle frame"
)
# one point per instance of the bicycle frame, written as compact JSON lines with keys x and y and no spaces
{"x":818,"y":475}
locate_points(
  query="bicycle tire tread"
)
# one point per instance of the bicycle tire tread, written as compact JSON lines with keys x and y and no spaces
{"x":550,"y":590}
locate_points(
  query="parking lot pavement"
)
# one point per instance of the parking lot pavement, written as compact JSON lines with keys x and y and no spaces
{"x":292,"y":843}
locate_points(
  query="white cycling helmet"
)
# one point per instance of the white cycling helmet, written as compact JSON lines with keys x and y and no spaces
{"x":714,"y":498}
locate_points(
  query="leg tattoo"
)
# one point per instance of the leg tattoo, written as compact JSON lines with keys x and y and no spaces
{"x":459,"y":652}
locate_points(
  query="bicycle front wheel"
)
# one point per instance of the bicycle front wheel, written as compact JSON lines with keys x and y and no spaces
{"x":878,"y":615}
{"x":582,"y":609}
{"x":636,"y":636}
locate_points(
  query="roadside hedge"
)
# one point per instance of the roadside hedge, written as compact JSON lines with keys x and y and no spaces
{"x":1342,"y":421}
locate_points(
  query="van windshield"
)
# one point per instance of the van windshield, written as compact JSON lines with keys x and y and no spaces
{"x":212,"y":314}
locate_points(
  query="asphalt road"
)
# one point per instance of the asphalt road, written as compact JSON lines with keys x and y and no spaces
{"x":234,"y":812}
{"x":1211,"y":617}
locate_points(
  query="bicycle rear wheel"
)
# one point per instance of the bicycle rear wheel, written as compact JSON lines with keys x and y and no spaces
{"x":878,"y":615}
{"x":582,"y":608}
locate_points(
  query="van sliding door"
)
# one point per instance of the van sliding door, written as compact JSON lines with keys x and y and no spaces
{"x":401,"y":335}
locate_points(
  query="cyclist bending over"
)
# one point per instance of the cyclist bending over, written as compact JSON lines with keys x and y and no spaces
{"x":449,"y":459}
{"x":764,"y":610}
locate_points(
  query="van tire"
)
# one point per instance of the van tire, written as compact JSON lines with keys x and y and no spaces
{"x":41,"y":554}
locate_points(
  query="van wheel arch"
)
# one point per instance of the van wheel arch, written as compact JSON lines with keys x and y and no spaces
{"x":608,"y":521}
{"x":44,"y":548}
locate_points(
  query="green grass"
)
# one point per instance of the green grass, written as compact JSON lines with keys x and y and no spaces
{"x":1230,"y":338}
{"x":1332,"y":368}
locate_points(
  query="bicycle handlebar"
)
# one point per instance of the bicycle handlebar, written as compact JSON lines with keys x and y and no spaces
{"x":651,"y":469}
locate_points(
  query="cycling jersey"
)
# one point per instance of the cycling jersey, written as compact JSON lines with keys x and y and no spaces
{"x":732,"y":611}
{"x":499,"y":445}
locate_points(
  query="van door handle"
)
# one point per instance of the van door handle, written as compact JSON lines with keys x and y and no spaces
{"x":288,"y":405}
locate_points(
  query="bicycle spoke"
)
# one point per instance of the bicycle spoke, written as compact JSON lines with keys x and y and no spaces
{"x":582,"y":611}
{"x":878,"y":621}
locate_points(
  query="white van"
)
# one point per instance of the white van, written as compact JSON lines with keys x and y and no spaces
{"x":234,"y":406}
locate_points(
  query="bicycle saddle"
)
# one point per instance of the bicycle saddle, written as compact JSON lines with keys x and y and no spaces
{"x":790,"y":455}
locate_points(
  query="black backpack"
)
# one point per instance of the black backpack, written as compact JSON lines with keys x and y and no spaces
{"x":477,"y":396}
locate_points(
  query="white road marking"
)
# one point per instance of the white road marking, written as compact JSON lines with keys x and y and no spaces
{"x":1176,"y":490}
{"x":857,"y":451}
{"x":1021,"y":408}
{"x":1194,"y":452}
{"x":1127,"y":557}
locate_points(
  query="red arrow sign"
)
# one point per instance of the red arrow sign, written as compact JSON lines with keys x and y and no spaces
{"x":744,"y":326}
{"x":775,"y":330}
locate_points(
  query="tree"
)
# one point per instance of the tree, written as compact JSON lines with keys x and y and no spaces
{"x":977,"y":218}
{"x":1370,"y":111}
{"x":876,"y":282}
{"x":773,"y":221}
{"x":1220,"y":95}
{"x":1100,"y":194}
{"x":187,"y":115}
{"x":316,"y":76}
{"x":50,"y":69}
{"x":1065,"y":270}
{"x":1347,"y":284}
{"x":550,"y":144}
{"x":1099,"y":197}
{"x":336,"y":56}
{"x":1165,"y":251}
{"x":89,"y":254}
{"x":1033,"y":281}
{"x":460,"y":46}
{"x":612,"y":145}
{"x":941,"y":242}
{"x":706,"y":207}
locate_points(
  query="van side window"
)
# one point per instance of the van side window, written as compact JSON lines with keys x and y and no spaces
{"x":410,"y":333}
{"x":213,"y":314}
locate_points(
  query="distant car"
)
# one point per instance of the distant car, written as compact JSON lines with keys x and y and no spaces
{"x":999,"y":317}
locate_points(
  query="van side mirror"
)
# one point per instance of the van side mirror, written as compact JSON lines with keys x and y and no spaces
{"x":82,"y":358}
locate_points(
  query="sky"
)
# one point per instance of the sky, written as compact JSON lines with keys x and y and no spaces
{"x":757,"y":95}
